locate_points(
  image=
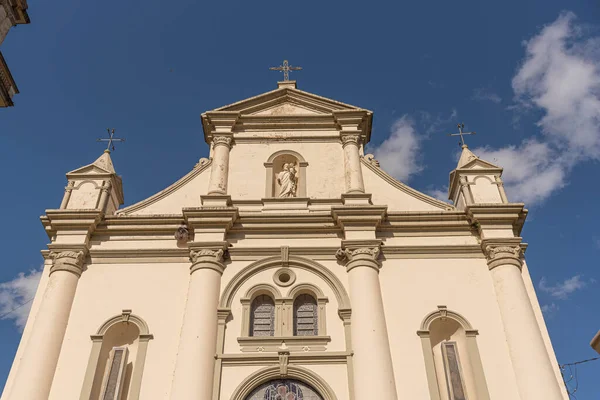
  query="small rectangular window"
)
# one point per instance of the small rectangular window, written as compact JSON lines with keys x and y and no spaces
{"x":454,"y":377}
{"x":115,"y":374}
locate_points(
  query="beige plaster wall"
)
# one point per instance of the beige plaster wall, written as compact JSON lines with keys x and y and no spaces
{"x":484,"y":189}
{"x":85,"y":195}
{"x":154,"y":292}
{"x":232,"y":376}
{"x":412,"y":288}
{"x":185,"y":192}
{"x":394,"y":198}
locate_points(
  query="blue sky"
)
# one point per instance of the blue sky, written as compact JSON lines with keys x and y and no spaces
{"x":520,"y":73}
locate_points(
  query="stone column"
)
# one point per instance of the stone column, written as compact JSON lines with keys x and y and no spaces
{"x":353,"y":171}
{"x":220,"y":165}
{"x":194,"y":371}
{"x":36,"y":369}
{"x":533,"y":369}
{"x":67,"y":195}
{"x":104,"y":193}
{"x":373,"y":369}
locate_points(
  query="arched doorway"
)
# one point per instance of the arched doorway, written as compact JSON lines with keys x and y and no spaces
{"x":284,"y":389}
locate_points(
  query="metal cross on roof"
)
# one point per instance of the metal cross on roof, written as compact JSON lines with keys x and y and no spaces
{"x":286,"y":68}
{"x":111,"y":139}
{"x":461,"y":134}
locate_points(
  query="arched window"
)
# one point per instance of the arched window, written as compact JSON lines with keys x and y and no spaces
{"x":452,"y":361}
{"x":284,"y":389}
{"x":306,"y":322}
{"x":116,"y":362}
{"x":262,"y":316}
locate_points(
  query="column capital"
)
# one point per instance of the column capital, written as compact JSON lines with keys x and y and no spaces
{"x":68,"y":260}
{"x":207,"y":255}
{"x":222,"y":140}
{"x":505,"y":251}
{"x":360,"y":253}
{"x":350,"y":138}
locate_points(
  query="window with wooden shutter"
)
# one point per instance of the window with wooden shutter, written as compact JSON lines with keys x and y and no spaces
{"x":262,"y":316}
{"x":305,"y":316}
{"x":112,"y":387}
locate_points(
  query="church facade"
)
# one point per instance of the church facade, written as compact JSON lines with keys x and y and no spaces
{"x":286,"y":266}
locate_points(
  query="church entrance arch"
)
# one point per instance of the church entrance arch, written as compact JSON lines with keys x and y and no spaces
{"x":284,"y":389}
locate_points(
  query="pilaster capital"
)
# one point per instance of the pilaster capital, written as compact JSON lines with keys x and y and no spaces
{"x":360,"y":254}
{"x":68,"y":260}
{"x":505,"y":251}
{"x":207,"y":255}
{"x":70,"y":186}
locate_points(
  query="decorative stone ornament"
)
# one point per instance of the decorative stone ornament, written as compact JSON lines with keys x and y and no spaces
{"x":207,"y":258}
{"x":348,"y":255}
{"x":183,"y":233}
{"x":71,"y":261}
{"x":370,"y":158}
{"x":501,"y":254}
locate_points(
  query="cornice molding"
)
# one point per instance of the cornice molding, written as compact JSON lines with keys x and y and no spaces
{"x":181,"y":255}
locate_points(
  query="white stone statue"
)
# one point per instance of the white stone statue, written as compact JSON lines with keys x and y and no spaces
{"x":288,"y":180}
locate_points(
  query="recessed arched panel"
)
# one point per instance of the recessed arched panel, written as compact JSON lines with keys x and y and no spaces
{"x":266,"y":376}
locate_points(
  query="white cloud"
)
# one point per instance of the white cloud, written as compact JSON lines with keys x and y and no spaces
{"x":16,"y":295}
{"x":483,"y":94}
{"x":559,"y":77}
{"x":562,"y":290}
{"x":549,"y":309}
{"x":398,"y":154}
{"x":440,"y":194}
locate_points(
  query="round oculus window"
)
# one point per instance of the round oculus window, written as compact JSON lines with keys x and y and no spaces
{"x":284,"y":277}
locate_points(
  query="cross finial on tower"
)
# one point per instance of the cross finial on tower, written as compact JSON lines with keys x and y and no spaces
{"x":461,"y":134}
{"x":111,"y":139}
{"x":286,"y":68}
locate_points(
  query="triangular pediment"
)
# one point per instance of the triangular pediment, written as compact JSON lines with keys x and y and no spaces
{"x":286,"y":108}
{"x":287,"y":101}
{"x":102,"y":165}
{"x":90,"y":170}
{"x":478,"y":163}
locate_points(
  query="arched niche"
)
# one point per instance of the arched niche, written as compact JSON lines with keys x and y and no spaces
{"x":124,"y":330}
{"x":283,"y":372}
{"x":452,"y":360}
{"x":275,"y":165}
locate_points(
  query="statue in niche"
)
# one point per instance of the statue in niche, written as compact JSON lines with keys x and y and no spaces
{"x":288,"y":180}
